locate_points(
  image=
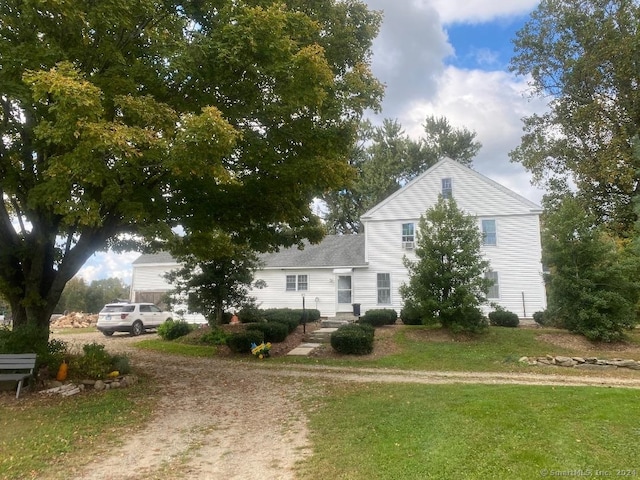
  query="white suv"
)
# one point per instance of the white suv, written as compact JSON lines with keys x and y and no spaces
{"x":134,"y":318}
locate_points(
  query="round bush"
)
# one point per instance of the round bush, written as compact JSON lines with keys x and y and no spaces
{"x":503,"y":318}
{"x":541,"y":318}
{"x":241,"y":342}
{"x":410,"y":316}
{"x":273,"y":331}
{"x":170,"y":330}
{"x":353,"y":339}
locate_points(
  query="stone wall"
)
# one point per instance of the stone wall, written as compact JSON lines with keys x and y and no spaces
{"x":587,"y":363}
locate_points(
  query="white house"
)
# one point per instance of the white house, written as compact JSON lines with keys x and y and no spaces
{"x":367,"y":269}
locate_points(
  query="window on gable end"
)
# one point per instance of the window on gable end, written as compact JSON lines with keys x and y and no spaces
{"x":447,"y":188}
{"x":408,"y":235}
{"x":489,"y":234}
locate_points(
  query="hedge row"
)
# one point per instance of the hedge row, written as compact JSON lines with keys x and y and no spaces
{"x":379,"y":317}
{"x":273,"y":331}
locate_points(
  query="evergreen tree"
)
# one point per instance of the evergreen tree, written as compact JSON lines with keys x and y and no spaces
{"x":592,"y":282}
{"x":447,"y":283}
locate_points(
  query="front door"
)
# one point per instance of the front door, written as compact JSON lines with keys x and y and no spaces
{"x":344,"y":293}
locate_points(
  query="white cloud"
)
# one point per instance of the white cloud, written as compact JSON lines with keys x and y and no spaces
{"x":410,"y":58}
{"x":475,"y":11}
{"x":107,"y":265}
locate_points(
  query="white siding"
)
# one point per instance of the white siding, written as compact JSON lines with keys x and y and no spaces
{"x":475,"y":194}
{"x":321,"y":286}
{"x":516,"y":257}
{"x":150,"y":278}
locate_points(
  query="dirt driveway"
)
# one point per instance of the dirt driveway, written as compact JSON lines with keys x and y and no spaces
{"x":213,"y":415}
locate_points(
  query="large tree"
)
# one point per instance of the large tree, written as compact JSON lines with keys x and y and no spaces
{"x":386,"y":158}
{"x":211,"y":286}
{"x":583,"y":55}
{"x":120,"y":121}
{"x":447,"y":282}
{"x":592,"y":281}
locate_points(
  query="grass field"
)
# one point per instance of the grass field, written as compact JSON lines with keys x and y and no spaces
{"x":473,"y":432}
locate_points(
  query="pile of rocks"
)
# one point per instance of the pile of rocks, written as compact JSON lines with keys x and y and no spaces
{"x":75,"y":320}
{"x":588,"y":363}
{"x":68,"y":389}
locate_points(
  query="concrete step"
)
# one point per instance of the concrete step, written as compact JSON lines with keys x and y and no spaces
{"x":336,"y":322}
{"x":322,"y":335}
{"x":304,"y":349}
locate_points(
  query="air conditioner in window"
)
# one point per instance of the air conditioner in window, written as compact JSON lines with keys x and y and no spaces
{"x":408,"y":245}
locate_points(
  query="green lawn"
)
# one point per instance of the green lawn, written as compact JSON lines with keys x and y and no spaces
{"x":472,"y":432}
{"x":57,"y":436}
{"x":497,"y":350}
{"x":379,"y":431}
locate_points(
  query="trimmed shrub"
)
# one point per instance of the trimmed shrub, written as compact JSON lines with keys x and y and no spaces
{"x":379,"y":317}
{"x":410,"y":316}
{"x":541,"y":318}
{"x":273,"y":331}
{"x":503,"y":318}
{"x":356,"y":339}
{"x":292,"y":315}
{"x":241,"y":342}
{"x":313,"y":315}
{"x":170,"y":330}
{"x":250,"y":314}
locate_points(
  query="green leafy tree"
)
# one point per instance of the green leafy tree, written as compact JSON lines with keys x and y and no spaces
{"x":583,"y":56}
{"x":74,"y":296}
{"x":385,"y":159}
{"x":447,"y":283}
{"x":592,"y":285}
{"x":103,"y":291}
{"x":122,"y":120}
{"x":213,"y":281}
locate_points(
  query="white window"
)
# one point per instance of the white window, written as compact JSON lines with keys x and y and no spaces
{"x":297,"y":282}
{"x":489,"y":236}
{"x":447,"y":188}
{"x":384,"y":289}
{"x":408,"y":235}
{"x":494,"y":290}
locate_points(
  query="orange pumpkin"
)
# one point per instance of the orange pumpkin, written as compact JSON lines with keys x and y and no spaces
{"x":62,"y":372}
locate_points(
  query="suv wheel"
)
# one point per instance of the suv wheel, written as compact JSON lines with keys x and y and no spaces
{"x":137,"y":328}
{"x":107,"y":333}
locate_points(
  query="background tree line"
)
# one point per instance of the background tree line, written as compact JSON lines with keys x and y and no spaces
{"x":582,"y":55}
{"x":80,"y":296}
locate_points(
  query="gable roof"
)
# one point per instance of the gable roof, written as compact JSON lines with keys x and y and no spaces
{"x":153,"y":258}
{"x":482,"y":196}
{"x":332,"y":251}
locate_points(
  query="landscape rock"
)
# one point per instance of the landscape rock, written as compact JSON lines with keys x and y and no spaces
{"x":591,"y":363}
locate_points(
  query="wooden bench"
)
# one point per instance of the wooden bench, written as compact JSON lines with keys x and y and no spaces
{"x":19,"y":367}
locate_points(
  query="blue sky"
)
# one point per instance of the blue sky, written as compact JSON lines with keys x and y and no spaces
{"x":444,"y":58}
